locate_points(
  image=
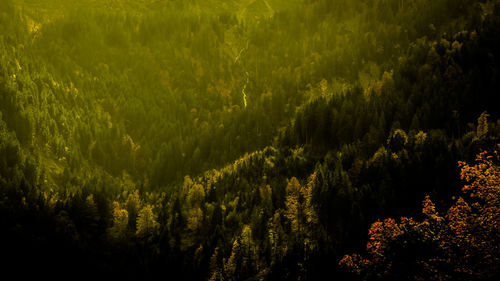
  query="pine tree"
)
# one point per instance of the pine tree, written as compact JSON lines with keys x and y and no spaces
{"x":482,"y":125}
{"x":120,"y":222}
{"x":146,"y":222}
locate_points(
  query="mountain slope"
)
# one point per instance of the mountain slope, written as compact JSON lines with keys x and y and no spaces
{"x":233,"y":140}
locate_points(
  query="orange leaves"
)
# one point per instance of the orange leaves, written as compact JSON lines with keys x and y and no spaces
{"x":463,"y":244}
{"x":429,"y":209}
{"x":476,"y":223}
{"x":354,"y":262}
{"x":457,"y":215}
{"x":483,"y":178}
{"x":379,"y":233}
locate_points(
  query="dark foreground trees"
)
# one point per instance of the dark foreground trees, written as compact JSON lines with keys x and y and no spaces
{"x":462,"y":243}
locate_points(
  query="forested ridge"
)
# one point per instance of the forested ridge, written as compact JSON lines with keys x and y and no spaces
{"x":250,"y":139}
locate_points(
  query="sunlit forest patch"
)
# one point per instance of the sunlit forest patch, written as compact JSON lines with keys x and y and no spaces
{"x":250,"y":139}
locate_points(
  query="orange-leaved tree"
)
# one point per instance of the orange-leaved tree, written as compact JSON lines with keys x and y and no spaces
{"x":463,"y":244}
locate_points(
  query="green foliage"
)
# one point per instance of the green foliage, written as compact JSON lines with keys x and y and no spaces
{"x":10,"y":151}
{"x":120,"y":222}
{"x":232,"y":140}
{"x":146,"y":222}
{"x":397,"y":140}
{"x":482,"y":125}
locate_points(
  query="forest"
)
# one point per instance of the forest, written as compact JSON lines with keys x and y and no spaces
{"x":250,"y":139}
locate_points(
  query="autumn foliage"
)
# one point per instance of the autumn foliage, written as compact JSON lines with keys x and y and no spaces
{"x":462,"y":244}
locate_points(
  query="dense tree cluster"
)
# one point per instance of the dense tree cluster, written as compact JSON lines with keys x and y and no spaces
{"x":245,"y":140}
{"x":461,"y":245}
